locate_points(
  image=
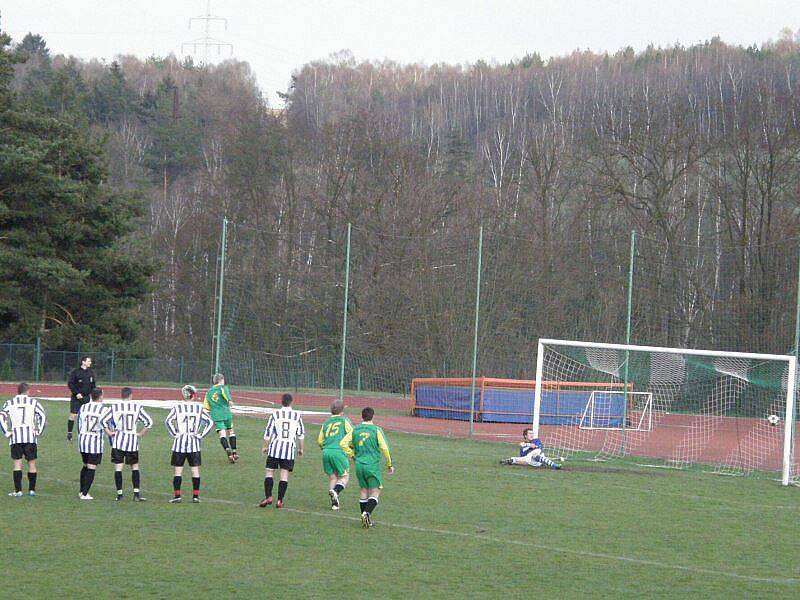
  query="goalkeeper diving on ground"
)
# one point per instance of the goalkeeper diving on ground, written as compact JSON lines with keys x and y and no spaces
{"x":531,"y":453}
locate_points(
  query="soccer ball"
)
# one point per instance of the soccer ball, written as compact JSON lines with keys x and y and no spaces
{"x":773,"y":420}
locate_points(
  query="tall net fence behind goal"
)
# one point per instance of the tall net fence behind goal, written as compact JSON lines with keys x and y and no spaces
{"x":726,"y":412}
{"x":282,"y":298}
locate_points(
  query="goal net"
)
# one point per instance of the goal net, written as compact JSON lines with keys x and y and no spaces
{"x":673,"y":407}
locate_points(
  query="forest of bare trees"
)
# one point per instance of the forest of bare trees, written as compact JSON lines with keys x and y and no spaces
{"x":696,"y":148}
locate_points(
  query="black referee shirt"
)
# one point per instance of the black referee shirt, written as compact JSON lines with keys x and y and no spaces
{"x":81,"y":381}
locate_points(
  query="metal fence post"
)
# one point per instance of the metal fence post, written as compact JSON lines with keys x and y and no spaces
{"x":223,"y":244}
{"x":475,"y":338}
{"x":344,"y":318}
{"x":625,"y":397}
{"x":37,"y":359}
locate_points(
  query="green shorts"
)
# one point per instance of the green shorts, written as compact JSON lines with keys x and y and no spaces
{"x":223,"y":423}
{"x":369,"y":475}
{"x":335,"y":462}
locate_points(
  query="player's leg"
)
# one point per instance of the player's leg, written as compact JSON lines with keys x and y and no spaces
{"x":268,"y":483}
{"x":334,"y":495}
{"x":363,"y":496}
{"x":340,"y":465}
{"x":32,"y":472}
{"x":74,"y":407}
{"x":17,"y":473}
{"x":117,"y":460}
{"x":223,"y":438}
{"x":177,"y":478}
{"x":232,"y":440}
{"x":373,"y":493}
{"x":283,"y":483}
{"x":82,"y":480}
{"x":136,"y":478}
{"x":548,"y":461}
{"x":91,"y":469}
{"x":195,"y":478}
{"x":70,"y":425}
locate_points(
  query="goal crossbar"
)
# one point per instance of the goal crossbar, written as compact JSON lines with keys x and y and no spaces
{"x":789,"y":359}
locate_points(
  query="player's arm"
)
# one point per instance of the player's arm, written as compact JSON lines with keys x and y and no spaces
{"x":347,"y":444}
{"x":206,"y":403}
{"x":72,"y":383}
{"x":4,"y":423}
{"x":321,"y":436}
{"x":41,"y":417}
{"x":107,"y":421}
{"x":145,"y":419}
{"x":226,"y":393}
{"x":170,"y":423}
{"x":301,"y":436}
{"x":268,"y":433}
{"x":384,"y":448}
{"x":205,"y":418}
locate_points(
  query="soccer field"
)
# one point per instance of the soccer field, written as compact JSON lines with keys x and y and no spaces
{"x":451,"y":522}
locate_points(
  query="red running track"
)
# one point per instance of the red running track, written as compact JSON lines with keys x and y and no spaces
{"x":743,"y":443}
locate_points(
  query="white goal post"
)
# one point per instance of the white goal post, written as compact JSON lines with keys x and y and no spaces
{"x":711,"y":392}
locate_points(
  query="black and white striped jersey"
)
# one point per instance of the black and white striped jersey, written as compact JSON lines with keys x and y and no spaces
{"x":123,"y":418}
{"x":90,"y":427}
{"x":284,"y":427}
{"x":22,"y":420}
{"x":188,"y":423}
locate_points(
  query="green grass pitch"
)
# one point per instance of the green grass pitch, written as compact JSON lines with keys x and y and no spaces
{"x":451,"y":523}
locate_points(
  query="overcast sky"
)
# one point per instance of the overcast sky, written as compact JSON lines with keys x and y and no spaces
{"x":277,"y":36}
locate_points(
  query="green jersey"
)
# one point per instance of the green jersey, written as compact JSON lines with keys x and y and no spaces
{"x":218,"y":401}
{"x":366,"y":442}
{"x":332,"y":432}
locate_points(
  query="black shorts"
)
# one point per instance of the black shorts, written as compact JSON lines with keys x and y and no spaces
{"x":119,"y":457}
{"x":28,"y":451}
{"x":75,"y":404}
{"x":90,"y":458}
{"x":179,"y":458}
{"x":280,"y":463}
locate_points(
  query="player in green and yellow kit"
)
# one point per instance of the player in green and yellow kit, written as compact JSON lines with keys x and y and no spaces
{"x":218,"y":403}
{"x":334,"y":461}
{"x":366,"y":443}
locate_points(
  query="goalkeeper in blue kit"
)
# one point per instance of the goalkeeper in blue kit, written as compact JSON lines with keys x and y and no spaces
{"x":531,"y":453}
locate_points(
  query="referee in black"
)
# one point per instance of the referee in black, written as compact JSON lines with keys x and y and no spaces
{"x":81,"y":383}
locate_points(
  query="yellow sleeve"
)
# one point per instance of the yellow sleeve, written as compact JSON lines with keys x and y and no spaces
{"x":347,"y":444}
{"x":321,"y":436}
{"x":206,"y":405}
{"x":384,"y":448}
{"x":348,"y":426}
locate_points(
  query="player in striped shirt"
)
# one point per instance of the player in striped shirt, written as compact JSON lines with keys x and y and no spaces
{"x":22,"y":420}
{"x":284,"y":429}
{"x":334,"y":461}
{"x":90,"y":439}
{"x":121,"y":424}
{"x":366,"y":443}
{"x":187,"y":423}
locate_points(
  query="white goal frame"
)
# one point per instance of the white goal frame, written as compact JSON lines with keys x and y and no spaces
{"x":643,"y":423}
{"x":790,"y":360}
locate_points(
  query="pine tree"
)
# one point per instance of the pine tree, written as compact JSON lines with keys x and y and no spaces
{"x":71,"y":269}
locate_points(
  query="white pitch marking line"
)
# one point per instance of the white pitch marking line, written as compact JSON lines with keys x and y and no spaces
{"x":501,"y":541}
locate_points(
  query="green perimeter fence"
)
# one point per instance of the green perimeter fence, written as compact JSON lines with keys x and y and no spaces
{"x":32,"y":362}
